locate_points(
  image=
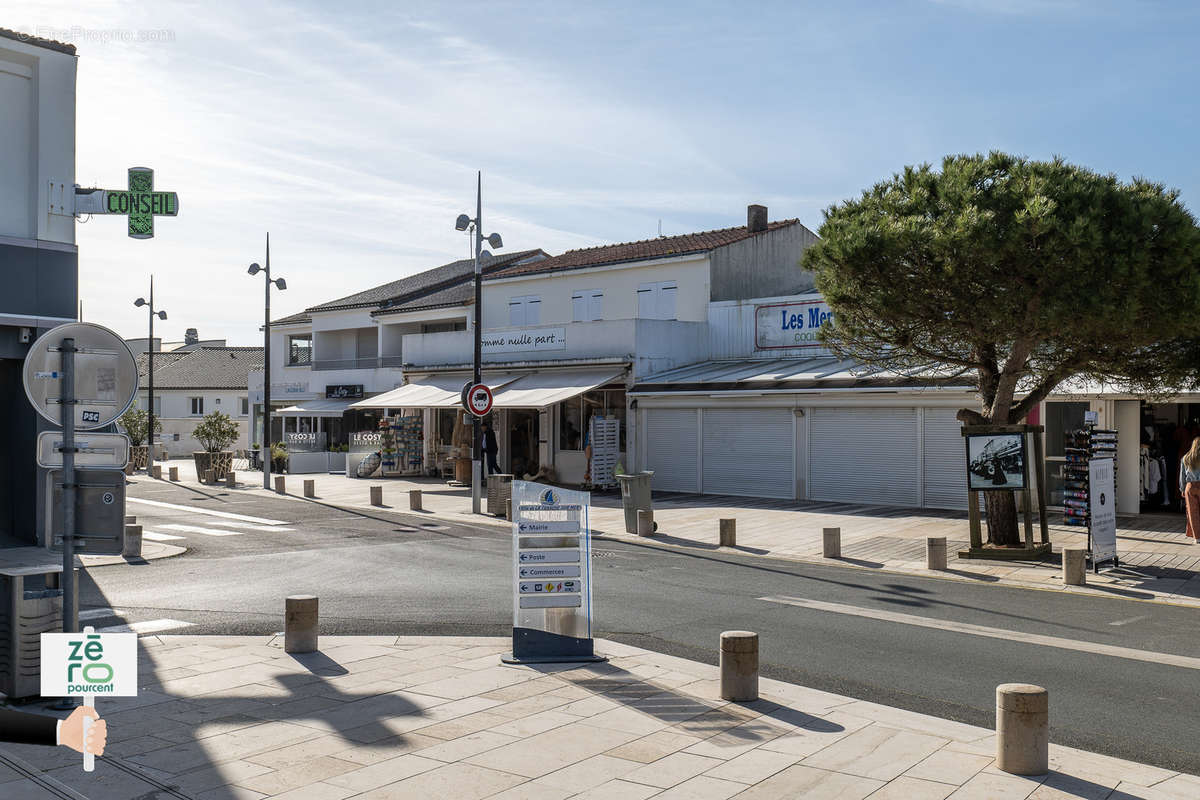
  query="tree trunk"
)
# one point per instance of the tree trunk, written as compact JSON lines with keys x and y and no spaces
{"x":1002,"y":519}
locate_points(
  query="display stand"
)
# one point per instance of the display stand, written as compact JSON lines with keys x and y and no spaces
{"x":1081,"y":448}
{"x":605,"y":440}
{"x":402,"y":445}
{"x":1031,"y":550}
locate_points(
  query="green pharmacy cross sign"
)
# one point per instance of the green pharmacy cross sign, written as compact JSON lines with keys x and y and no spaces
{"x":140,"y":203}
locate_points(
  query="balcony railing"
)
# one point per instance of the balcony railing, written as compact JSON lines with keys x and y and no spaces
{"x":346,"y":363}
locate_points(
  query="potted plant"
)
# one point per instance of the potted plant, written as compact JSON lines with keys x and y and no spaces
{"x":279,"y":458}
{"x":134,"y":422}
{"x":215,"y":433}
{"x":255,"y":456}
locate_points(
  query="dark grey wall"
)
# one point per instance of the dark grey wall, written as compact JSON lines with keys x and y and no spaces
{"x":765,"y":265}
{"x":39,"y":281}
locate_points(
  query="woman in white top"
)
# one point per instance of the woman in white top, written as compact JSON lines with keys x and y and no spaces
{"x":1189,"y":488}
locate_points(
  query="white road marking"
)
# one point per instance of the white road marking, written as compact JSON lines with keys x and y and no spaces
{"x":148,"y":626}
{"x":206,"y":511}
{"x":198,"y":529}
{"x":247,"y":526}
{"x":1131,"y":619}
{"x":159,"y":537}
{"x":100,"y":613}
{"x":1130,"y":653}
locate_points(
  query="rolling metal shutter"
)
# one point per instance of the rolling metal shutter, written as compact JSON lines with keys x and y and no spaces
{"x":945,"y":460}
{"x":671,"y":449}
{"x":749,"y":451}
{"x":864,"y":455}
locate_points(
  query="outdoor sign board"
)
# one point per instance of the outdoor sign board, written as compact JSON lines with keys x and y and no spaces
{"x":139,"y":203}
{"x":524,"y":341}
{"x":343,"y":391}
{"x":95,"y":450}
{"x":551,"y":573}
{"x":106,"y":377}
{"x":1102,"y":498}
{"x":995,"y":461}
{"x":789,"y":325}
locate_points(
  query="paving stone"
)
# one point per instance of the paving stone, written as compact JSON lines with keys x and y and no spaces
{"x":458,"y":781}
{"x":799,"y":782}
{"x":876,"y":752}
{"x":672,"y":770}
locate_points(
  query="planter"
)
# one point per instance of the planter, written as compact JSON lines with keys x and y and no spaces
{"x":337,"y":462}
{"x":220,"y":463}
{"x":139,"y":456}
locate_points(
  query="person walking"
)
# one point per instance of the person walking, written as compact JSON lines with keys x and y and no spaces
{"x":1189,"y":488}
{"x":490,"y":448}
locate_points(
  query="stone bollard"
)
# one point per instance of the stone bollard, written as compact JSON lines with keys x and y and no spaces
{"x":376,"y":495}
{"x":210,"y":477}
{"x":508,"y":509}
{"x":935,"y":552}
{"x":173,"y":473}
{"x":831,"y":542}
{"x":156,"y":472}
{"x":133,"y":542}
{"x":414,"y":500}
{"x":310,"y":487}
{"x":280,"y":485}
{"x":230,"y":479}
{"x":739,"y":666}
{"x":130,"y":469}
{"x":300,"y":624}
{"x":1074,"y":566}
{"x":727,"y":535}
{"x":1022,"y":729}
{"x":130,"y":519}
{"x":645,"y":522}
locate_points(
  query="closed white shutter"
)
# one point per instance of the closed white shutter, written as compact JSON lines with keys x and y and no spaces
{"x":516,"y":312}
{"x":646,"y":301}
{"x":671,"y":449}
{"x":750,"y":452}
{"x":666,"y":300}
{"x":533,"y":310}
{"x":864,"y":455}
{"x":945,"y":460}
{"x":578,"y":307}
{"x":595,"y":303}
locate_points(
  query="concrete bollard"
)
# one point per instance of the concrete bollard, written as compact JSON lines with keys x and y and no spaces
{"x":156,"y":472}
{"x":645,"y":522}
{"x":173,"y":473}
{"x":230,"y":479}
{"x":376,"y":495}
{"x":1022,"y":729}
{"x":280,"y":485}
{"x":414,"y":500}
{"x":935,"y":552}
{"x":300,"y":624}
{"x":508,"y":509}
{"x":210,"y":477}
{"x":132,"y":547}
{"x":310,"y":487}
{"x":739,"y":666}
{"x":831,"y":542}
{"x":130,"y":469}
{"x":130,"y":519}
{"x":1074,"y":566}
{"x":727,"y":535}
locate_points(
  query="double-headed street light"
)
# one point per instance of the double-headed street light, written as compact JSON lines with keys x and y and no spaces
{"x":141,"y":301}
{"x":463,"y":223}
{"x":281,"y":284}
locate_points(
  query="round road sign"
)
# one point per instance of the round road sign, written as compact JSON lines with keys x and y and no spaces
{"x":106,"y":376}
{"x":479,"y":399}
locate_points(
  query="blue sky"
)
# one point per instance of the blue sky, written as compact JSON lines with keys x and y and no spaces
{"x":353,"y":131}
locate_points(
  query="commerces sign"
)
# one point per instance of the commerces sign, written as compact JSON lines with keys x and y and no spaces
{"x":522,"y":341}
{"x":790,"y":325}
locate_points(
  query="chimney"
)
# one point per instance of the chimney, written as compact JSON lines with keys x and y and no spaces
{"x":756,"y":218}
{"x":191,"y":335}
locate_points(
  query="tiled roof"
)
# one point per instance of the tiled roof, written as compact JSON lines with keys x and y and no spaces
{"x":37,"y":41}
{"x":458,"y":295}
{"x":303,"y":316}
{"x":205,"y":368}
{"x":423,"y":282}
{"x":647,"y":249}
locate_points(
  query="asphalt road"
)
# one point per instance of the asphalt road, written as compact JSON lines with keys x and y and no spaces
{"x":393,"y":573}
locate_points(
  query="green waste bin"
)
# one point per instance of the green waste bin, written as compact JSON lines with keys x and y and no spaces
{"x":635,"y":496}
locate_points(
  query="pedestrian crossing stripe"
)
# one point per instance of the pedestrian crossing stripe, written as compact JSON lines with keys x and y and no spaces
{"x":160,"y":537}
{"x":198,"y":529}
{"x":146,"y":626}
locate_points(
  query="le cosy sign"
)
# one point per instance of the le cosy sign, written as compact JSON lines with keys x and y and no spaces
{"x":789,"y":325}
{"x":89,"y":664}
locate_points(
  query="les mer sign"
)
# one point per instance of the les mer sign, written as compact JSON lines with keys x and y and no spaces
{"x":789,"y":325}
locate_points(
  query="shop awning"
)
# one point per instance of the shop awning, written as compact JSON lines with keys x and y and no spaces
{"x":435,"y":391}
{"x":320,"y":407}
{"x":541,"y":389}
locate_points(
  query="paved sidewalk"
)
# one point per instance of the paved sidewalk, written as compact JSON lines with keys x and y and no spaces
{"x":1165,"y":563}
{"x":385,"y":718}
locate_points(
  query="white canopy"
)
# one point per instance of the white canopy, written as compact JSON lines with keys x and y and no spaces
{"x":320,"y":407}
{"x":433,"y":391}
{"x":531,"y":390}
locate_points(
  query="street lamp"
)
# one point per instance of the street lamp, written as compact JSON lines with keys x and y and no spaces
{"x":280,"y":284}
{"x":150,"y":373}
{"x":461,"y":224}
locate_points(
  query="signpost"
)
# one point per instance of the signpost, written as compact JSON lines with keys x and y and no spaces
{"x":552,"y":576}
{"x":478,"y":399}
{"x":140,"y":203}
{"x":1102,"y":530}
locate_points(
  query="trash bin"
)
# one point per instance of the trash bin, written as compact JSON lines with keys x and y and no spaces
{"x":499,"y":489}
{"x":635,"y":496}
{"x":31,"y":604}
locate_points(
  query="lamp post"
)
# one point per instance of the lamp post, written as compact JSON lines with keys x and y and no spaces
{"x":150,"y":374}
{"x":281,"y":284}
{"x":462,"y":223}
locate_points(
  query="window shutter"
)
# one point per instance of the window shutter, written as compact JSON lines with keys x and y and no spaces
{"x":578,"y":309}
{"x":516,"y":312}
{"x":666,"y":301}
{"x":595,"y":302}
{"x":533,"y":310}
{"x":645,"y":297}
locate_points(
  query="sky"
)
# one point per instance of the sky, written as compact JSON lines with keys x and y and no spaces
{"x":352,"y":131}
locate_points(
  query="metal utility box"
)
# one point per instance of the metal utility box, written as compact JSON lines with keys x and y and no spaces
{"x":31,"y":604}
{"x":99,"y":511}
{"x":499,"y":490}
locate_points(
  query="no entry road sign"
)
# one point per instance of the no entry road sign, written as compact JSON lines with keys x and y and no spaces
{"x":479,"y":399}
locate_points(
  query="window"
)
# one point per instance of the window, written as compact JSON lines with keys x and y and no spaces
{"x":300,"y":350}
{"x":574,"y":416}
{"x":444,"y":327}
{"x":245,"y":406}
{"x":657,"y":300}
{"x":142,"y":402}
{"x":586,"y":305}
{"x":524,"y":310}
{"x":197,"y":406}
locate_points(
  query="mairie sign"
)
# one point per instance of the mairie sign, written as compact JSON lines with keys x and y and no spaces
{"x":140,"y":203}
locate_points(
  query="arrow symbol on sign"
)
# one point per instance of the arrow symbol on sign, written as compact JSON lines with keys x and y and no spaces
{"x":524,"y":556}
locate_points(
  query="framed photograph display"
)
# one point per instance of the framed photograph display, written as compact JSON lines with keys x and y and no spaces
{"x":996,"y":461}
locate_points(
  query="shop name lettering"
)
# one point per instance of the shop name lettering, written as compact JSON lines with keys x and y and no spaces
{"x":84,"y":662}
{"x":816,"y":318}
{"x":538,"y":340}
{"x":793,"y":325}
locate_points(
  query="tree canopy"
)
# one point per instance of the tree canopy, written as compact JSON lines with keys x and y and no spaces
{"x":1018,"y":273}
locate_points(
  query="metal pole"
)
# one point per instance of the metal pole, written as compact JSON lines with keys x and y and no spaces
{"x":67,"y":350}
{"x":150,"y":372}
{"x":476,"y":440}
{"x":266,"y":456}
